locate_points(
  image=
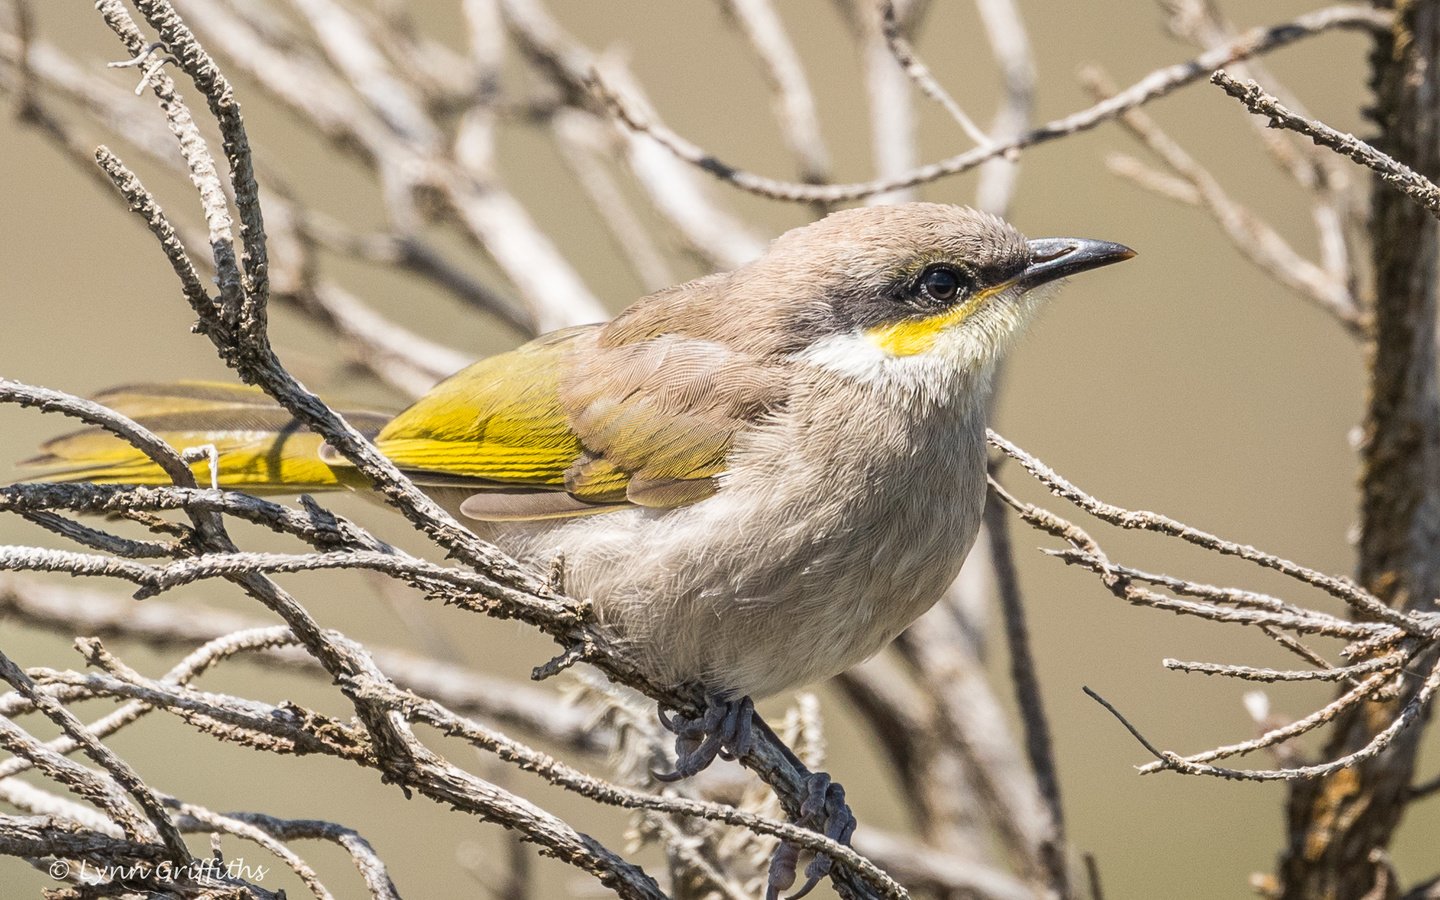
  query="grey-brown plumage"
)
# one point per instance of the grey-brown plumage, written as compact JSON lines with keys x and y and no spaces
{"x":801,"y":443}
{"x":759,"y":477}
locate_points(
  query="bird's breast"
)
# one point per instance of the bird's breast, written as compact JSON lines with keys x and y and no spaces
{"x":840,"y":520}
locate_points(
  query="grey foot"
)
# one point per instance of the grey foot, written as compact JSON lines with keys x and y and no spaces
{"x":723,"y":730}
{"x":823,"y":810}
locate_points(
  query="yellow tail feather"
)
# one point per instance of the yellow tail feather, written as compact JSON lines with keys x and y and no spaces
{"x":259,"y":446}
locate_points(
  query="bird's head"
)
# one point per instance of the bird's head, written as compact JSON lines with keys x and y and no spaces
{"x":924,"y":282}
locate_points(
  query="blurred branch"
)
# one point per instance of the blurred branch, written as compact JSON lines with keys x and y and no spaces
{"x":760,"y":23}
{"x":1156,"y":84}
{"x":969,"y":718}
{"x":1339,"y":219}
{"x":893,"y":146}
{"x":1010,"y":44}
{"x":486,"y":212}
{"x":1039,"y":745}
{"x":1256,"y":239}
{"x":924,"y":870}
{"x":582,"y":142}
{"x":712,"y":232}
{"x":163,"y":626}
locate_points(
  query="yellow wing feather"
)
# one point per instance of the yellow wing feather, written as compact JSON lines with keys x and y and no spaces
{"x":497,"y":420}
{"x":560,"y":426}
{"x":259,"y":446}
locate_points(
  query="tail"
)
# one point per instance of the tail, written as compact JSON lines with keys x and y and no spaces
{"x":260,"y":447}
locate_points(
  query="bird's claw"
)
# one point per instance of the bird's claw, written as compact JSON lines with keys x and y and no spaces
{"x":723,"y":730}
{"x":824,"y":810}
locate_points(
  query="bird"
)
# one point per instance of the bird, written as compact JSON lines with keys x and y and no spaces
{"x":759,"y":477}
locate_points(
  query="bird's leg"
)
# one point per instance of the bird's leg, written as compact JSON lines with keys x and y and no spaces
{"x":723,"y":730}
{"x":824,"y":810}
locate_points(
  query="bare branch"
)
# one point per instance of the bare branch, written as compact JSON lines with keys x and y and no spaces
{"x":1156,"y":84}
{"x":1342,"y":588}
{"x":760,"y":22}
{"x":1400,"y":176}
{"x":920,"y":73}
{"x":1010,"y":45}
{"x":1388,"y":662}
{"x":1253,"y":237}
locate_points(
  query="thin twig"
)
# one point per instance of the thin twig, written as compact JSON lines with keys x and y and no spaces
{"x":1256,"y":239}
{"x":1156,"y":84}
{"x":1393,"y":172}
{"x":123,"y":774}
{"x":920,"y":74}
{"x":1343,"y":588}
{"x":1039,"y":745}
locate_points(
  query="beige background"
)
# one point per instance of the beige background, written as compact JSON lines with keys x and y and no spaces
{"x":1183,"y":381}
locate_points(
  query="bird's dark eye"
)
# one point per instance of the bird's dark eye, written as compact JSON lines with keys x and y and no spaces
{"x":942,"y":284}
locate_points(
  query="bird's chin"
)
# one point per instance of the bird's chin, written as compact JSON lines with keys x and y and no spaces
{"x":979,"y":342}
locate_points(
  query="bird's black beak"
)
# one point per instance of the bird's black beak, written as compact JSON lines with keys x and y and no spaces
{"x":1052,"y":258}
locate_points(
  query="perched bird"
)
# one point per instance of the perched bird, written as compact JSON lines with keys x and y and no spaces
{"x":759,"y":477}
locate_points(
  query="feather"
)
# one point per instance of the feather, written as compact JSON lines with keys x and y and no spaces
{"x":516,"y":506}
{"x":602,"y":424}
{"x":259,"y":445}
{"x":586,"y":419}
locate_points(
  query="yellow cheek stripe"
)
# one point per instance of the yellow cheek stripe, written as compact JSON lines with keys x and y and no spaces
{"x":911,"y":336}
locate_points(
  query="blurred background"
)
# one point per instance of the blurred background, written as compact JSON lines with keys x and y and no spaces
{"x":1185,"y":381}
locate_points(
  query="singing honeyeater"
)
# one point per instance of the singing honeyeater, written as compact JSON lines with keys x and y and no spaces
{"x":759,"y":477}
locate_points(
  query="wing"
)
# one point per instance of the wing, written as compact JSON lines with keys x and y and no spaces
{"x":658,"y":418}
{"x":566,"y":425}
{"x":496,"y":422}
{"x":259,"y":445}
{"x":579,"y":421}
